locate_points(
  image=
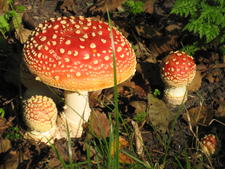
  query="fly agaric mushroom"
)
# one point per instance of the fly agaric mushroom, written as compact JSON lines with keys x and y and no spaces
{"x":40,"y":114}
{"x":209,"y":144}
{"x":177,"y":71}
{"x":75,"y":54}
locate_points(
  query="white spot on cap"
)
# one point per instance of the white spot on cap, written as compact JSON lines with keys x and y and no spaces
{"x":77,"y":31}
{"x":100,"y":32}
{"x":82,"y":47}
{"x":123,"y":44}
{"x":78,"y":74}
{"x":43,"y":38}
{"x":66,"y":59}
{"x":63,"y":22}
{"x":39,"y":55}
{"x":69,"y":52}
{"x":95,"y":62}
{"x":72,"y":21}
{"x":86,"y":56}
{"x":68,"y":42}
{"x":92,"y":45}
{"x":61,"y":50}
{"x":85,"y":28}
{"x":82,"y":39}
{"x":39,"y":47}
{"x":106,"y":57}
{"x":122,"y":56}
{"x":103,"y":40}
{"x":54,"y":43}
{"x":93,"y":34}
{"x":77,"y":26}
{"x":56,"y":78}
{"x":46,"y":47}
{"x":52,"y":19}
{"x":75,"y":53}
{"x":119,"y":49}
{"x":40,"y":25}
{"x":56,"y":27}
{"x":85,"y":36}
{"x":54,"y":36}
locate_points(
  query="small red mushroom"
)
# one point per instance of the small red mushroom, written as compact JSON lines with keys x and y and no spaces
{"x":75,"y":54}
{"x":178,"y":70}
{"x":40,"y":114}
{"x":209,"y":144}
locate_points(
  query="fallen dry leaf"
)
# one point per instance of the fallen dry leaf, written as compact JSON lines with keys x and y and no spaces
{"x":5,"y":145}
{"x":149,"y":6}
{"x":196,"y":83}
{"x":102,"y":5}
{"x":68,"y":5}
{"x":221,"y":109}
{"x":11,"y":160}
{"x":138,"y":139}
{"x":22,"y":34}
{"x":123,"y":158}
{"x":198,"y":115}
{"x":158,"y":114}
{"x":99,"y":124}
{"x":140,"y":106}
{"x":213,"y":77}
{"x":5,"y":124}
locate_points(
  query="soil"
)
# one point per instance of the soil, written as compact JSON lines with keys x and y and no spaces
{"x":169,"y":143}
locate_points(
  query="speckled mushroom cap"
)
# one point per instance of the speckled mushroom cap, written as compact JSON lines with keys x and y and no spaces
{"x":209,"y":144}
{"x":75,"y":53}
{"x":40,"y":113}
{"x":178,"y":69}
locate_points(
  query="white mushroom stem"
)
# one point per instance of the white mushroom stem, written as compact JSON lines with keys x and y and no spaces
{"x":176,"y":96}
{"x":77,"y":111}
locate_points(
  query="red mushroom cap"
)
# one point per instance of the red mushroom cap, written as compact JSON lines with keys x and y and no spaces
{"x":209,"y":144}
{"x":75,"y":53}
{"x":178,"y":69}
{"x":40,"y":113}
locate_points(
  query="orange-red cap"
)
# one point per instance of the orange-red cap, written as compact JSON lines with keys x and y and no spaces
{"x":75,"y":53}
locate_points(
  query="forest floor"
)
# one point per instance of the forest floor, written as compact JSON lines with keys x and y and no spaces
{"x":170,"y":135}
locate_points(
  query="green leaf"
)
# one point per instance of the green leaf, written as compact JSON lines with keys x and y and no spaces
{"x":185,"y":7}
{"x":16,"y":20}
{"x":134,"y":7}
{"x":20,"y":8}
{"x":4,"y":25}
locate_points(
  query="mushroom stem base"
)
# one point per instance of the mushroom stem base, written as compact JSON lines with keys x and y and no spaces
{"x":46,"y":137}
{"x":76,"y":113}
{"x":176,"y":96}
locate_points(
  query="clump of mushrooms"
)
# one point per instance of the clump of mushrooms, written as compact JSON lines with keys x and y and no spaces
{"x":40,"y":114}
{"x":178,"y":70}
{"x":75,"y":54}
